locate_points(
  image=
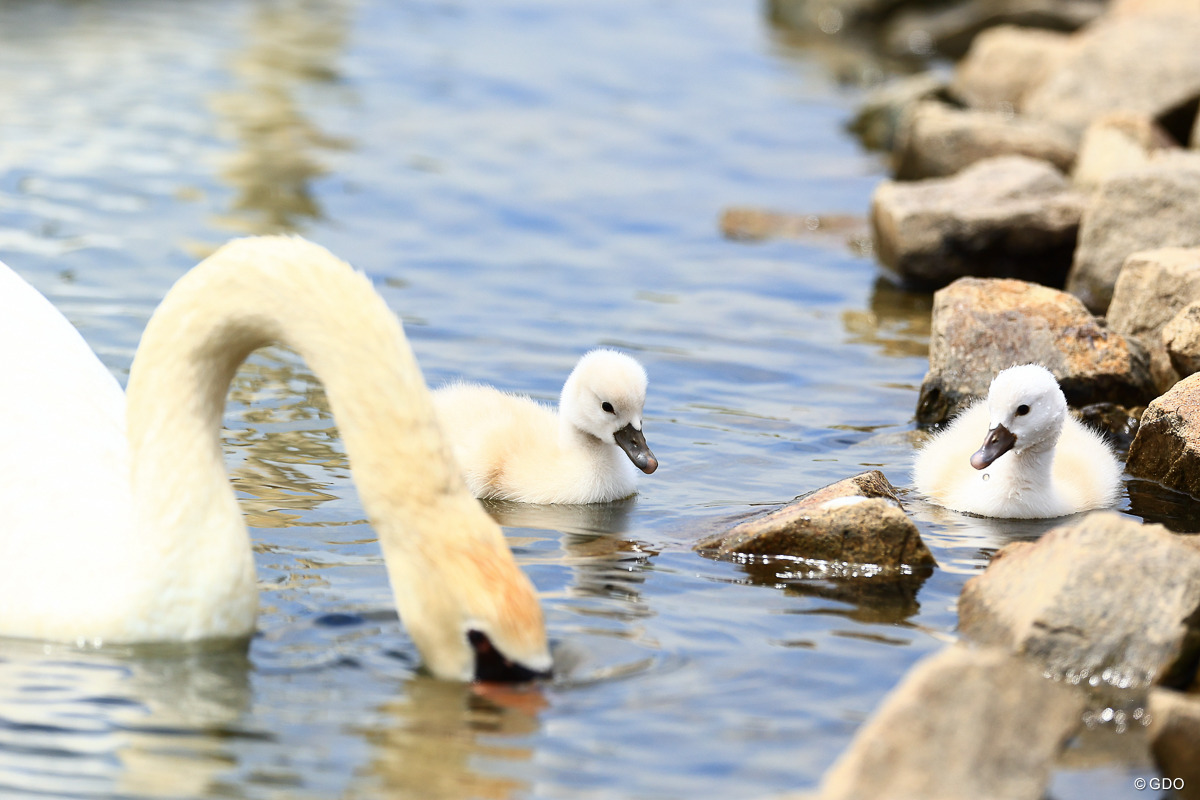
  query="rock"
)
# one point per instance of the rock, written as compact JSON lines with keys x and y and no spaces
{"x":1119,"y":424}
{"x":1181,"y":338}
{"x":884,"y":111}
{"x":939,"y":140}
{"x":1175,"y":739}
{"x":757,"y":224}
{"x":857,"y":520}
{"x":1004,"y":217}
{"x":1148,"y":63}
{"x":1114,"y":143}
{"x":1156,"y":206}
{"x":963,"y":723}
{"x":1003,"y":64}
{"x":1152,"y":288}
{"x":982,"y":326}
{"x":1167,"y":446}
{"x":950,"y":29}
{"x":1105,"y":600}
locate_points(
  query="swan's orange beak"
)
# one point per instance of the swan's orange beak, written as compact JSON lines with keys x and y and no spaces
{"x":631,"y":440}
{"x":998,"y":442}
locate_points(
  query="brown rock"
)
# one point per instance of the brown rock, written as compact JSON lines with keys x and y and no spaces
{"x":1167,"y":446}
{"x":857,"y":520}
{"x":1175,"y":732}
{"x":1003,"y":217}
{"x":1152,"y":287}
{"x":1181,"y":338}
{"x":1003,"y":64}
{"x":1156,"y":206}
{"x":1104,"y":600}
{"x":1148,"y":63}
{"x":939,"y":141}
{"x":963,"y":723}
{"x":1115,"y":143}
{"x":982,"y":326}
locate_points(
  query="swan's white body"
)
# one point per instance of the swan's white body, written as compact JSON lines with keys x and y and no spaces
{"x":115,"y":535}
{"x":511,"y":447}
{"x":1048,"y":465}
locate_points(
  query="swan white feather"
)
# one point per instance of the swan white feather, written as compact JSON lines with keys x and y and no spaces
{"x":115,"y":535}
{"x":1019,"y":454}
{"x":513,"y":448}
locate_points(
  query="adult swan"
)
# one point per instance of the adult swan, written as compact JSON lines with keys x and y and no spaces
{"x":117,"y":519}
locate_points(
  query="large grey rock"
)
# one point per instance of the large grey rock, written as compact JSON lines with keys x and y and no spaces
{"x":1156,"y":206}
{"x":1175,"y":732}
{"x":1152,"y":287}
{"x":963,"y":724}
{"x":857,"y":520}
{"x":982,"y":326}
{"x":1148,"y":63}
{"x":1004,"y":217}
{"x":1181,"y":338}
{"x":1115,"y":143}
{"x":1167,"y":446}
{"x":1003,"y":64}
{"x":1104,"y":600}
{"x":939,"y":140}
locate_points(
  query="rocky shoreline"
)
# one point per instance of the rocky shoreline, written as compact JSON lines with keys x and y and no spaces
{"x":1049,"y":191}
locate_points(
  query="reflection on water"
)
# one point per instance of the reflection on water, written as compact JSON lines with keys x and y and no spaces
{"x":290,"y":46}
{"x":152,"y":722}
{"x":897,"y":321}
{"x":432,"y":739}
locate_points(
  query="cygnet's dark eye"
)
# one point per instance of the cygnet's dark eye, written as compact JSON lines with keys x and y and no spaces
{"x":608,"y":407}
{"x":1022,"y":410}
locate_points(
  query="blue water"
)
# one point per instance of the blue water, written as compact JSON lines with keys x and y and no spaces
{"x":523,"y":181}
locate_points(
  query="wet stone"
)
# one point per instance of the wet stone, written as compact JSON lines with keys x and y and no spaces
{"x":939,"y":140}
{"x":1152,"y":289}
{"x":1105,"y":600}
{"x":1167,"y":446}
{"x":963,"y":723}
{"x":885,"y":110}
{"x":1010,"y":216}
{"x":858,"y":520}
{"x":1153,"y":207}
{"x":1175,"y":739}
{"x":1003,"y":64}
{"x":981,"y":326}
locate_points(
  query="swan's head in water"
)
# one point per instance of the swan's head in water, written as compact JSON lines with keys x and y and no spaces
{"x":1027,"y":410}
{"x":603,"y":398}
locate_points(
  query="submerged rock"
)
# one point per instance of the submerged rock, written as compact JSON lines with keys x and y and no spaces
{"x":1167,"y":446}
{"x":1153,"y":207}
{"x":1003,"y":217}
{"x":939,"y":140}
{"x":1003,"y":64}
{"x":1147,"y":63}
{"x":1175,"y":739}
{"x":963,"y":723}
{"x":1105,"y":600}
{"x":857,"y":520}
{"x":982,"y":326}
{"x":1153,"y":287}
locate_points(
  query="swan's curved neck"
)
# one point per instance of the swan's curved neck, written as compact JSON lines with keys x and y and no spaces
{"x":295,"y":293}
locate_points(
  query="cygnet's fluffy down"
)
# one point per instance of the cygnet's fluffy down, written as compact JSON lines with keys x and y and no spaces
{"x":1019,"y":454}
{"x":511,"y":447}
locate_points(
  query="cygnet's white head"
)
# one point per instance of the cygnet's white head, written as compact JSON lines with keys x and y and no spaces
{"x":1027,"y":410}
{"x":603,"y":398}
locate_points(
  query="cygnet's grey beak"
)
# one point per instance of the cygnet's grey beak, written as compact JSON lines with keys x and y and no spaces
{"x":998,"y":442}
{"x":631,"y":440}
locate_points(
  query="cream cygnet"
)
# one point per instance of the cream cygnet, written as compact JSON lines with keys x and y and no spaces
{"x":1036,"y":460}
{"x":119,"y":521}
{"x":511,"y":447}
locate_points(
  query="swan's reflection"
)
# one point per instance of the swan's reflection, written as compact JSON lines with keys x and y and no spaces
{"x":149,"y":721}
{"x":291,"y":44}
{"x":430,"y":741}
